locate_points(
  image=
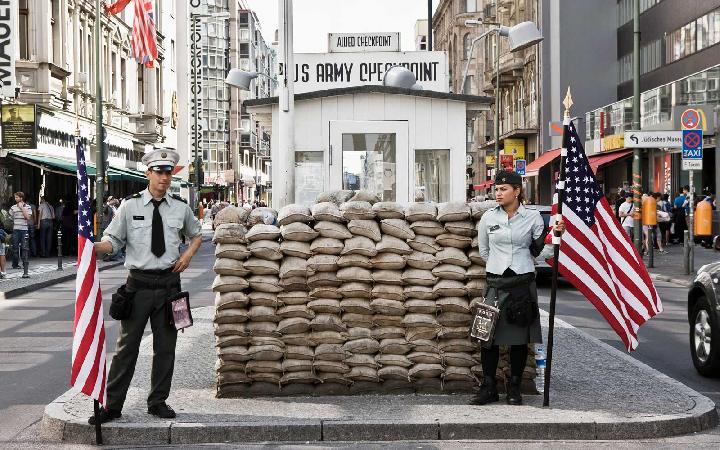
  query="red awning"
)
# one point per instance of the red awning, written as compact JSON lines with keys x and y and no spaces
{"x":546,"y":158}
{"x":600,"y":160}
{"x":483,"y":185}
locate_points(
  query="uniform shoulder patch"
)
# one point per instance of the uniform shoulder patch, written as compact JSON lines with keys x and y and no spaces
{"x":137,"y":195}
{"x":177,"y":197}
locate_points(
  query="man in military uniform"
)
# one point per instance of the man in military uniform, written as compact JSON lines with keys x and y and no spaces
{"x":149,"y":225}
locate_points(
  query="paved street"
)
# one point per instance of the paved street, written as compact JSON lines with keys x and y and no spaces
{"x":36,"y":340}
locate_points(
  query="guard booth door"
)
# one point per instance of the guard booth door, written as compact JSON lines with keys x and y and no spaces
{"x":372,"y":156}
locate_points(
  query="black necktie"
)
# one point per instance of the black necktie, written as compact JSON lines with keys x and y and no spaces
{"x":158,"y":234}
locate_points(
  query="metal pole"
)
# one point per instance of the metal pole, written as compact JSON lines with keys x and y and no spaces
{"x":59,"y":250}
{"x":99,"y":144}
{"x":284,"y":180}
{"x":691,"y":226}
{"x":686,"y":252}
{"x":497,"y":102}
{"x":651,"y":246}
{"x":430,"y":25}
{"x":195,"y":66}
{"x":637,"y":181}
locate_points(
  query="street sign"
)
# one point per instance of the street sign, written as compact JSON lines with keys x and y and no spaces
{"x":692,"y":144}
{"x":692,"y":164}
{"x":653,"y":139}
{"x":520,"y":165}
{"x":690,"y":119}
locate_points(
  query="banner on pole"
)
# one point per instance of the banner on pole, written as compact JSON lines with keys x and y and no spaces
{"x":8,"y":46}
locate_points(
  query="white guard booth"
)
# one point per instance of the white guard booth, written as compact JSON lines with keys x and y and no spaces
{"x":406,"y":145}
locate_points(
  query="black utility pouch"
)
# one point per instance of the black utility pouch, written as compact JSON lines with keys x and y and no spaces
{"x":121,"y":303}
{"x":519,"y":307}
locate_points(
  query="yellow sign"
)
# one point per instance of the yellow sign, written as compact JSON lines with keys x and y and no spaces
{"x":490,"y":160}
{"x":515,"y":147}
{"x":613,"y":142}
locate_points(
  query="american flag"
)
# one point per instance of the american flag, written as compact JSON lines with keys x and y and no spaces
{"x":144,"y":46}
{"x":597,"y":256}
{"x":88,"y":374}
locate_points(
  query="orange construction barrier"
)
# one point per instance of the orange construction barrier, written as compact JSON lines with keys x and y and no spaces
{"x":649,"y":211}
{"x":703,"y":219}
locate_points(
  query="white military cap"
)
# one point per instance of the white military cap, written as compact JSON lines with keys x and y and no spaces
{"x":162,"y":159}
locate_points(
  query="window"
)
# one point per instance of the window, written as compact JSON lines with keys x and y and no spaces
{"x":309,"y":179}
{"x":123,"y":84}
{"x":470,"y":132}
{"x":469,"y":5}
{"x":432,"y":175}
{"x":693,"y":37}
{"x":368,"y":162}
{"x":56,"y":28}
{"x":172,"y":53}
{"x":23,"y":26}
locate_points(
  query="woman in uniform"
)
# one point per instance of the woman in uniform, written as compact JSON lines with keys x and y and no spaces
{"x":510,"y":237}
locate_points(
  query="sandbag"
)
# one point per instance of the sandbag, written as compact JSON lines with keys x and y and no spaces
{"x":365,"y":196}
{"x":326,"y":211}
{"x":389,"y":210}
{"x":232,"y":251}
{"x":327,"y":246}
{"x":454,"y":319}
{"x":258,"y":298}
{"x":355,"y":274}
{"x":336,"y":197}
{"x":293,"y":267}
{"x":397,"y":346}
{"x":293,"y":297}
{"x":355,"y":260}
{"x":424,"y":358}
{"x":391,"y":244}
{"x":262,"y":232}
{"x":357,"y":210}
{"x":393,"y":372}
{"x":450,"y":255}
{"x":474,"y":256}
{"x":385,"y":276}
{"x":298,"y":231}
{"x":418,"y":277}
{"x":425,"y":244}
{"x":263,"y":314}
{"x":227,"y":266}
{"x":295,"y":311}
{"x":388,"y":261}
{"x":476,"y":271}
{"x":325,"y":306}
{"x":260,"y":266}
{"x":453,"y":240}
{"x":417,"y":306}
{"x":420,"y":260}
{"x":453,"y":212}
{"x":479,"y":208}
{"x":414,"y":320}
{"x":397,"y":227}
{"x":301,"y":352}
{"x":293,"y":325}
{"x":323,"y":280}
{"x":229,"y":300}
{"x":266,"y":250}
{"x":327,"y":322}
{"x":365,"y":346}
{"x":231,"y":315}
{"x":323,"y":263}
{"x":362,"y":360}
{"x":425,"y":371}
{"x":231,"y":214}
{"x":356,"y":306}
{"x":419,"y":292}
{"x":454,"y":304}
{"x":262,"y":215}
{"x":229,"y":283}
{"x":265,"y":283}
{"x":388,"y":333}
{"x":359,"y":245}
{"x":427,"y":228}
{"x":367,"y":228}
{"x":229,"y":233}
{"x":449,"y":272}
{"x":294,"y":214}
{"x":462,"y":228}
{"x":416,"y":212}
{"x":388,"y":307}
{"x":358,"y":320}
{"x":355,"y":290}
{"x":296,"y":248}
{"x":450,"y":288}
{"x":333,"y":230}
{"x":389,"y":291}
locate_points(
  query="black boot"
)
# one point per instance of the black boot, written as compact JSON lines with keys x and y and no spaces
{"x":105,"y":415}
{"x":488,"y":393}
{"x":513,"y":393}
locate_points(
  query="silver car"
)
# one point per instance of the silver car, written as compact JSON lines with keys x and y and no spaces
{"x":542,"y":268}
{"x":703,"y":317}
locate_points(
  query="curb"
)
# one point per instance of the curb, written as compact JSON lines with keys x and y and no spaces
{"x":60,"y":426}
{"x":669,"y":279}
{"x":45,"y":283}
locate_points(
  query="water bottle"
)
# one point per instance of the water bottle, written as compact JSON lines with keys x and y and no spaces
{"x":540,"y":367}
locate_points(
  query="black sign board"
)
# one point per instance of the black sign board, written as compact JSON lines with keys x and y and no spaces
{"x":19,"y":127}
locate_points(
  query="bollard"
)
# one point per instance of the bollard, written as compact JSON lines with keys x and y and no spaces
{"x":25,"y":254}
{"x":686,"y":251}
{"x":59,"y":250}
{"x":651,"y":247}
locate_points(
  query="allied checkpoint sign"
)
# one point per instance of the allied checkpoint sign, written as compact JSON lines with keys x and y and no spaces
{"x":323,"y":71}
{"x":363,"y":42}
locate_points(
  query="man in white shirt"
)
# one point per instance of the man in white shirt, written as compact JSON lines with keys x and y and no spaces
{"x":625,"y":212}
{"x":21,"y":214}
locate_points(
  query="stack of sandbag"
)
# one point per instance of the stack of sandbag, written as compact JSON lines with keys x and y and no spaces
{"x":294,"y":311}
{"x":231,"y":301}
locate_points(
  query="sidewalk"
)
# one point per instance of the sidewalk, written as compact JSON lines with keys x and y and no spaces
{"x":598,"y":393}
{"x":43,"y":273}
{"x":670,"y":266}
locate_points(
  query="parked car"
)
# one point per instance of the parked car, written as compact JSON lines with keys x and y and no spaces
{"x":704,"y":320}
{"x":542,"y":268}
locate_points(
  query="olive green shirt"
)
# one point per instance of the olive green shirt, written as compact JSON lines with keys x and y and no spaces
{"x":131,"y":227}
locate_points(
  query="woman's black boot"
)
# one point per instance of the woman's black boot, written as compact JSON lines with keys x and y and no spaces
{"x":513,"y":393}
{"x":488,"y":393}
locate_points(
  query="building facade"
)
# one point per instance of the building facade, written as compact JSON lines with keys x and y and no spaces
{"x":55,"y":72}
{"x":679,"y":71}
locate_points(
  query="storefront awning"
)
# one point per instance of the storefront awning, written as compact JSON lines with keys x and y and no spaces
{"x":51,"y":164}
{"x":483,"y":185}
{"x":599,"y":160}
{"x":533,"y":169}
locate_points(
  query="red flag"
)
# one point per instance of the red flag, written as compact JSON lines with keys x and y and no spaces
{"x":144,"y":45}
{"x":88,"y":374}
{"x":597,"y":256}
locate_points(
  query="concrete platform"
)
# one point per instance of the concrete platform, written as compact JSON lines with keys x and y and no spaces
{"x":597,"y":393}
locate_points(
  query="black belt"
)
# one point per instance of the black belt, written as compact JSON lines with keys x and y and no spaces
{"x":151,"y":272}
{"x":153,"y":279}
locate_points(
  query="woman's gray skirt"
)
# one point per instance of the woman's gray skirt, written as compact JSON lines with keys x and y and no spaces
{"x":507,"y":333}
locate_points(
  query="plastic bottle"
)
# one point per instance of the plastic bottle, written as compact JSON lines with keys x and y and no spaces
{"x":540,"y":367}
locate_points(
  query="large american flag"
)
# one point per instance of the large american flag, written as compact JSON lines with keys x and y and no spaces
{"x":597,"y":256}
{"x":144,"y":45}
{"x":88,"y":374}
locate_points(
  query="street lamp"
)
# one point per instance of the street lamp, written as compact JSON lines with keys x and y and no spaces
{"x":401,"y":77}
{"x":195,"y":65}
{"x":521,"y":36}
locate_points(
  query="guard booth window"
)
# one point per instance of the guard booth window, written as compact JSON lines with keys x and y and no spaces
{"x":369,"y":163}
{"x":309,"y":179}
{"x":432,"y":176}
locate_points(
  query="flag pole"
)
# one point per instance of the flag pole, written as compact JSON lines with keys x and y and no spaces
{"x":560,"y":191}
{"x":98,"y":427}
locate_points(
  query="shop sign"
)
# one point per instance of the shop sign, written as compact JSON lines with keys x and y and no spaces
{"x":363,"y":42}
{"x":18,"y":127}
{"x":490,"y":160}
{"x":8,"y":46}
{"x":322,"y":71}
{"x":612,"y":142}
{"x":506,"y":163}
{"x":515,"y":147}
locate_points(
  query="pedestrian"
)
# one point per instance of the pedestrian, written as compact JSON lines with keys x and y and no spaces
{"x":46,"y":216}
{"x":663,"y":222}
{"x":69,"y":230}
{"x":619,"y":201}
{"x":22,"y":215}
{"x":3,"y":238}
{"x":32,"y":225}
{"x":149,"y":224}
{"x":625,"y":212}
{"x":510,"y":237}
{"x":681,"y":208}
